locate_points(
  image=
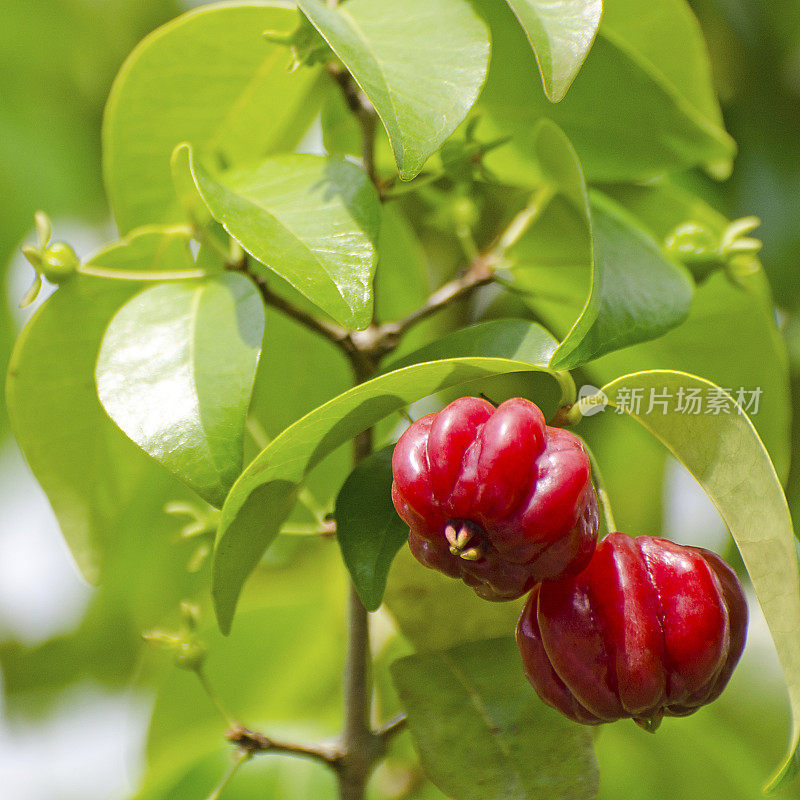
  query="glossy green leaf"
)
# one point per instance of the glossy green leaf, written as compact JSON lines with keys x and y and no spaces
{"x":316,"y":371}
{"x":208,"y":78}
{"x":368,"y":529}
{"x":632,"y":113}
{"x":312,"y":220}
{"x":725,"y":455}
{"x":636,"y":293}
{"x":264,"y":494}
{"x":420,"y":62}
{"x":87,"y":468}
{"x":482,"y":732}
{"x":175,"y":372}
{"x":561,"y":36}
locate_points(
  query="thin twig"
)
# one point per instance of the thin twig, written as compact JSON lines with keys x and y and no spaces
{"x":213,"y":696}
{"x":241,"y":757}
{"x":363,"y":110}
{"x":480,"y":272}
{"x":256,"y":743}
{"x":329,"y":330}
{"x":391,"y":728}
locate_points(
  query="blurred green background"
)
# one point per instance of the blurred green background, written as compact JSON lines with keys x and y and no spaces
{"x":77,"y":695}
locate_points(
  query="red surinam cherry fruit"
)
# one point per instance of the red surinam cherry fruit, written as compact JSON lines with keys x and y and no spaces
{"x":494,"y":496}
{"x":648,"y":629}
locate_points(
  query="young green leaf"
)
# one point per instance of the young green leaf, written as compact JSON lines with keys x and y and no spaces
{"x":312,"y":220}
{"x":482,"y":732}
{"x":368,"y":529}
{"x":658,"y":112}
{"x":560,"y":36}
{"x":209,"y":78}
{"x":636,"y":292}
{"x":725,"y":455}
{"x":421,"y":63}
{"x":264,"y":494}
{"x":175,"y":372}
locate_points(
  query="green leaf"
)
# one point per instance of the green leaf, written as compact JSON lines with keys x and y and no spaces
{"x":650,"y":41}
{"x":263,"y":496}
{"x":435,"y":612}
{"x":88,"y":470}
{"x":561,"y":36}
{"x":402,"y":282}
{"x":175,"y":372}
{"x":420,"y":62}
{"x":649,"y":77}
{"x":636,"y":292}
{"x":150,"y":248}
{"x":368,"y":529}
{"x":725,"y":455}
{"x":730,"y":336}
{"x":481,"y":731}
{"x":211,"y":79}
{"x":294,"y":696}
{"x":312,"y":220}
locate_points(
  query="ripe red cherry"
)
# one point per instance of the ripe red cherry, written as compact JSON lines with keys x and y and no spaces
{"x":494,"y":496}
{"x":648,"y":629}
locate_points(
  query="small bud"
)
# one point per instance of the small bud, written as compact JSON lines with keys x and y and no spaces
{"x":190,"y":655}
{"x":692,"y":242}
{"x":59,"y":262}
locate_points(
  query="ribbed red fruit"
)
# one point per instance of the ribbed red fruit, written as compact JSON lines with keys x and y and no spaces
{"x":648,"y":629}
{"x":494,"y":496}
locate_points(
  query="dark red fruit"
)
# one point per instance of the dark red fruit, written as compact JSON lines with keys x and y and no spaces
{"x":648,"y":629}
{"x":494,"y":496}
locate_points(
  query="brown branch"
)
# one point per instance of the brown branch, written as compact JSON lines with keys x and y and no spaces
{"x":257,"y":743}
{"x":480,"y":273}
{"x":334,"y":333}
{"x":365,"y":114}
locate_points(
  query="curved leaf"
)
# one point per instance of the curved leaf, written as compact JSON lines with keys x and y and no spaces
{"x":368,"y":529}
{"x":729,"y":337}
{"x":561,"y":36}
{"x":636,"y":293}
{"x":209,"y":78}
{"x":175,"y":372}
{"x":725,"y":455}
{"x":657,"y":113}
{"x":420,"y":62}
{"x":312,"y":220}
{"x":89,"y":471}
{"x":481,"y":731}
{"x":264,"y":494}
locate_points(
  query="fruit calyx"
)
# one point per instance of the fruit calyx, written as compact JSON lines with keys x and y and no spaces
{"x":466,"y":539}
